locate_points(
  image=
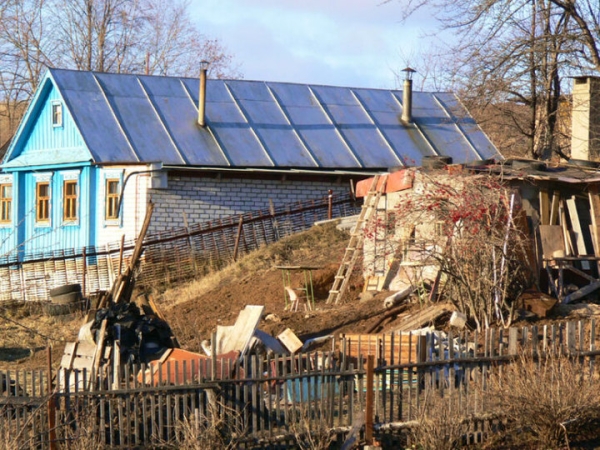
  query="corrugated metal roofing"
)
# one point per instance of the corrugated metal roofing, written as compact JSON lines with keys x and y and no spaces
{"x":135,"y":118}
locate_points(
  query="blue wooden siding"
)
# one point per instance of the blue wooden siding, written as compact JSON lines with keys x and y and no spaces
{"x":46,"y":144}
{"x":27,"y":236}
{"x":49,"y":152}
{"x":48,"y":236}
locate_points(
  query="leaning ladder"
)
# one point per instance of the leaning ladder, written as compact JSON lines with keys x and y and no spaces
{"x":340,"y":281}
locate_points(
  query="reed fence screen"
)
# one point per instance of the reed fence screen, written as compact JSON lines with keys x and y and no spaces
{"x":170,"y":256}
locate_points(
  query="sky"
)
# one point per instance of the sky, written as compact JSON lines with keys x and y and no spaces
{"x":355,"y":43}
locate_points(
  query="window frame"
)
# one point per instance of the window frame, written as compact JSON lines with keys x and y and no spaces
{"x":6,"y":203}
{"x":45,"y":201}
{"x":57,"y":114}
{"x":70,"y":201}
{"x":111,"y":200}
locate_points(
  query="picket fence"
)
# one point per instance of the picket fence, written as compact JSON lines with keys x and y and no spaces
{"x":272,"y":400}
{"x":169,"y":256}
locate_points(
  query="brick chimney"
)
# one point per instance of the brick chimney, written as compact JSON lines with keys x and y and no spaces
{"x":585,"y":119}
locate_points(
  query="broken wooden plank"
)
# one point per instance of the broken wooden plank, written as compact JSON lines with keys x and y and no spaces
{"x":77,"y":356}
{"x":404,"y":350}
{"x":271,"y":343}
{"x":221,"y":335}
{"x":553,"y":220}
{"x":580,"y":247}
{"x":552,"y":241}
{"x":423,"y":317}
{"x":290,"y":341}
{"x":594,"y":199}
{"x":123,"y":286}
{"x":99,"y":348}
{"x":566,"y":232}
{"x":180,"y":365}
{"x":238,"y":338}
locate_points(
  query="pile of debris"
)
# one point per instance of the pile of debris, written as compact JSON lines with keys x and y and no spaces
{"x":119,"y":332}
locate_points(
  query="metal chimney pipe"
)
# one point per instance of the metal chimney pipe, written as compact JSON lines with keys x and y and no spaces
{"x":407,"y":96}
{"x":202,"y":94}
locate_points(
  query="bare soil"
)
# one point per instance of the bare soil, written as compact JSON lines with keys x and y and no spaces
{"x":194,"y":309}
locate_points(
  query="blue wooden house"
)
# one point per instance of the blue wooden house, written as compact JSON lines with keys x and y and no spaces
{"x":93,"y":148}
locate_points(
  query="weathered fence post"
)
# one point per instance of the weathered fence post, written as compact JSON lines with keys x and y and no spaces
{"x":84,"y":272}
{"x":330,"y":205}
{"x":51,"y":405}
{"x":237,"y":238}
{"x":189,"y":243}
{"x":369,"y":402}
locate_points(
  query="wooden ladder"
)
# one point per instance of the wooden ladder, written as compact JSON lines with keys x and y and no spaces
{"x":340,"y":281}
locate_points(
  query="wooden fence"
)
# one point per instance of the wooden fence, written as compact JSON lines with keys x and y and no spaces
{"x":277,"y":399}
{"x":170,"y":256}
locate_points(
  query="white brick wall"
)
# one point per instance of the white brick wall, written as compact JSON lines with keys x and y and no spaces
{"x":204,"y":199}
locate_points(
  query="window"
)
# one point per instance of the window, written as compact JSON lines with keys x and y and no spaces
{"x":112,"y":199}
{"x":5,"y":203}
{"x":70,"y":200}
{"x":57,"y":118}
{"x":43,"y":201}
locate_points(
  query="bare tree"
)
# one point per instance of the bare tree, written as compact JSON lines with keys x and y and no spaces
{"x":24,"y":53}
{"x":136,"y":36}
{"x":92,"y":33}
{"x":513,"y":57}
{"x":173,"y":45}
{"x":121,"y":36}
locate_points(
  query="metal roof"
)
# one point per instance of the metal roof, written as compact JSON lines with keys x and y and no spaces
{"x":126,"y":118}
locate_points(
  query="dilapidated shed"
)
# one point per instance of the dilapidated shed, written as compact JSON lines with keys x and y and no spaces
{"x":495,"y":230}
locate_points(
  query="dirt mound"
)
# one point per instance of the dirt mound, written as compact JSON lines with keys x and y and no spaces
{"x":256,"y":280}
{"x":194,"y":309}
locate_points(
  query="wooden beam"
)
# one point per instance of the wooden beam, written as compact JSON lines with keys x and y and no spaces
{"x":544,"y":207}
{"x":577,"y":230}
{"x":582,"y":292}
{"x":594,"y":199}
{"x":554,"y":208}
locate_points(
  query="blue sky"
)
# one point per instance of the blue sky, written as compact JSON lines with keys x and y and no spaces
{"x":358,"y":43}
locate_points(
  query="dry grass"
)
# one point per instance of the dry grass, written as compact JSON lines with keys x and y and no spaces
{"x":220,"y":429}
{"x":296,"y":248}
{"x":311,"y":429}
{"x":83,"y":435}
{"x":8,"y":435}
{"x":440,"y":424}
{"x":547,"y":401}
